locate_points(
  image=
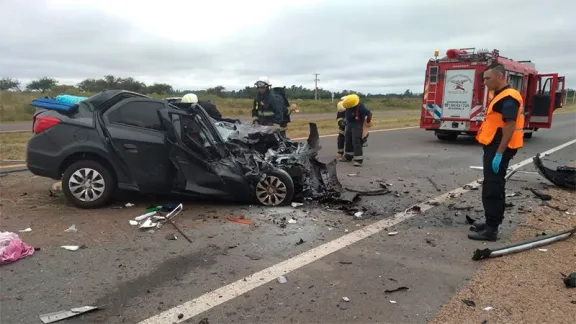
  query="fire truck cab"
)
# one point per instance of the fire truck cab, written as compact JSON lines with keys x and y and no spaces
{"x":455,"y":97}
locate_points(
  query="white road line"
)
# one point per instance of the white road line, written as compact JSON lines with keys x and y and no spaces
{"x":221,"y":295}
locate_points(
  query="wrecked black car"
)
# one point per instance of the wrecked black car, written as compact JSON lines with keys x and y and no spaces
{"x":125,"y":140}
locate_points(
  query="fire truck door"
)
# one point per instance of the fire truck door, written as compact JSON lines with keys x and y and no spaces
{"x":545,"y":96}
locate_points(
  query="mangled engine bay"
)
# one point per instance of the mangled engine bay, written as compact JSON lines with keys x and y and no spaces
{"x":262,"y":149}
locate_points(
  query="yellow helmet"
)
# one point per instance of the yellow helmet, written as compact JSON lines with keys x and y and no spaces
{"x":339,"y":106}
{"x":351,"y":101}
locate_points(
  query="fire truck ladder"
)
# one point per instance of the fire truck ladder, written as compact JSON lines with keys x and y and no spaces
{"x":431,"y":103}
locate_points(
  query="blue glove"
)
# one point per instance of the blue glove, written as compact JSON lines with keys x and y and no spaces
{"x":496,"y":162}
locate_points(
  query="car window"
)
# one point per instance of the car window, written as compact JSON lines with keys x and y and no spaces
{"x":138,"y":113}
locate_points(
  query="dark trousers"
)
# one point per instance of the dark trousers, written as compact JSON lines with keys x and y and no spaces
{"x":353,"y":142}
{"x":494,"y":185}
{"x":340,"y":141}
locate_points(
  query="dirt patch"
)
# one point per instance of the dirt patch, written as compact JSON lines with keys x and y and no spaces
{"x":525,"y":287}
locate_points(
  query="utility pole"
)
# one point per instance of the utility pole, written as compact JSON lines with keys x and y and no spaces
{"x":316,"y":85}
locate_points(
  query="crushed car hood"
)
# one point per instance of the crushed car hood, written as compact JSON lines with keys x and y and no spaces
{"x":263,"y":148}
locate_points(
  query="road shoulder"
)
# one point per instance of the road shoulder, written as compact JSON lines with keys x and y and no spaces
{"x":525,"y":287}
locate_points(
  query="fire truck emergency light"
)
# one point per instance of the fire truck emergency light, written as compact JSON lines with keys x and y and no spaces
{"x":454,"y":53}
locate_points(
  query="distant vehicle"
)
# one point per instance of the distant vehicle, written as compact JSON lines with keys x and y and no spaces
{"x":455,"y":97}
{"x":124,"y":140}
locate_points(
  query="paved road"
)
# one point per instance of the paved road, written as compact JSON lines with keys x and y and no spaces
{"x":27,"y":126}
{"x":143,"y":275}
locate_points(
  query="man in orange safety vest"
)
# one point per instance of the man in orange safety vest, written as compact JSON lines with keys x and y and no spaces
{"x":501,"y":135}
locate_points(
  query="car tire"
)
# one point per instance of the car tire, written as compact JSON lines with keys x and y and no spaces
{"x":102,"y":187}
{"x":281,"y":182}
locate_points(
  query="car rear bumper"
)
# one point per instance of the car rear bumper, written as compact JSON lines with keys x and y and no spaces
{"x":39,"y":161}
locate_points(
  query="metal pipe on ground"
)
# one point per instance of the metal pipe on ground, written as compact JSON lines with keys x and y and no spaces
{"x":522,"y":246}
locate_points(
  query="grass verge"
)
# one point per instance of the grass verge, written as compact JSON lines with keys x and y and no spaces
{"x":13,"y":145}
{"x":15,"y":106}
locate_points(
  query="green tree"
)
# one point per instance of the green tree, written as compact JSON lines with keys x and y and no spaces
{"x":9,"y":84}
{"x":43,"y":84}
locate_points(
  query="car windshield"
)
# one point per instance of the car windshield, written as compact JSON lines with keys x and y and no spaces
{"x":224,"y":129}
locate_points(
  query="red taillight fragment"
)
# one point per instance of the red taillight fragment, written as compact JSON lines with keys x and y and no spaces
{"x":43,"y":123}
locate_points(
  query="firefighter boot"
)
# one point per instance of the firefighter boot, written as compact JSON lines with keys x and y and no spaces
{"x":487,"y":234}
{"x":478,"y":227}
{"x":339,"y":156}
{"x":358,"y":163}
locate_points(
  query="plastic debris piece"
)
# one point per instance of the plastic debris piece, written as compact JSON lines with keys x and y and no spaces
{"x":148,"y":224}
{"x":392,"y":302}
{"x":58,"y":316}
{"x":71,"y":229}
{"x":489,"y":308}
{"x":144,"y":216}
{"x":295,"y":204}
{"x":292,"y":221}
{"x":133,"y":222}
{"x":240,"y":220}
{"x":392,"y":233}
{"x":71,"y":247}
{"x":26,"y":230}
{"x":543,"y":250}
{"x":129,"y":205}
{"x":358,"y":214}
{"x":346,"y":299}
{"x":401,"y":288}
{"x":282,"y":279}
{"x":171,"y":237}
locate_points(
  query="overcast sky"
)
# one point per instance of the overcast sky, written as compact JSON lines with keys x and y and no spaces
{"x":365,"y":45}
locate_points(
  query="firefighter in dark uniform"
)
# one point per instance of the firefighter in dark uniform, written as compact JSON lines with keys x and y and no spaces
{"x":341,"y":128}
{"x":280,"y":91}
{"x":355,"y":115}
{"x":267,"y":109}
{"x":501,"y":135}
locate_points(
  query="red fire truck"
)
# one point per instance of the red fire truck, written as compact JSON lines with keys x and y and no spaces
{"x":455,"y":96}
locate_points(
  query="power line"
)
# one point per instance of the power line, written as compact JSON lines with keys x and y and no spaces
{"x":316,"y":85}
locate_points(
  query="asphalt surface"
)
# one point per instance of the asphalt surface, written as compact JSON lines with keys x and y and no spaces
{"x":142,"y":274}
{"x":27,"y":126}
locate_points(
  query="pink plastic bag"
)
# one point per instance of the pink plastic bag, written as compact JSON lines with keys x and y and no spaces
{"x":12,"y":248}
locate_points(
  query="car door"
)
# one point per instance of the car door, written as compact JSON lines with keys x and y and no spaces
{"x":205,"y":166}
{"x":138,"y":137}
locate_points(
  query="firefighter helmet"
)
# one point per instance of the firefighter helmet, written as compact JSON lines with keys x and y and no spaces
{"x":190,"y":98}
{"x":262,"y":82}
{"x":340,"y":106}
{"x":351,"y":101}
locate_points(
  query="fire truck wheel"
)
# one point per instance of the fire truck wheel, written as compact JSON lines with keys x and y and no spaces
{"x":447,"y":137}
{"x":528,"y":135}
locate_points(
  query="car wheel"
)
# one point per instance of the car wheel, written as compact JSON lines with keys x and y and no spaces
{"x":276,"y":189}
{"x":87,"y":184}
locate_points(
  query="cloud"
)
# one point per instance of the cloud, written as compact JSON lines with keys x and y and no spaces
{"x":371,"y":46}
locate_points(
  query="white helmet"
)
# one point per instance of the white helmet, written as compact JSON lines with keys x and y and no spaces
{"x":190,"y":98}
{"x":262,"y":82}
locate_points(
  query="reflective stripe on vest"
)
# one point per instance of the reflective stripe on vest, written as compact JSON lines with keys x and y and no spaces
{"x":493,"y":120}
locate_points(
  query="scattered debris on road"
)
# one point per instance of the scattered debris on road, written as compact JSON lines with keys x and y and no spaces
{"x":434,"y":184}
{"x":563,"y":176}
{"x":346,"y":299}
{"x":282,"y":279}
{"x":12,"y":248}
{"x":240,"y":220}
{"x":570,"y":280}
{"x":392,"y":233}
{"x":469,"y":302}
{"x":541,"y":195}
{"x":301,"y":241}
{"x":73,"y":247}
{"x":26,"y":230}
{"x":58,"y":316}
{"x":401,"y":288}
{"x":71,"y":229}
